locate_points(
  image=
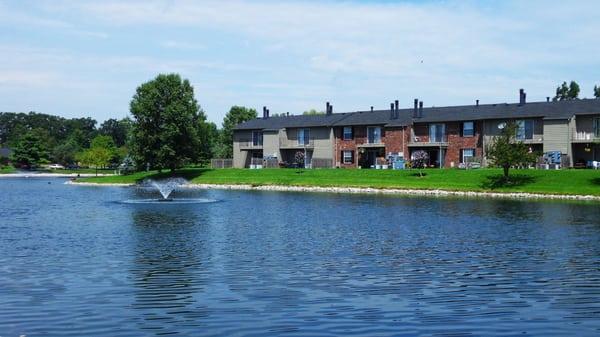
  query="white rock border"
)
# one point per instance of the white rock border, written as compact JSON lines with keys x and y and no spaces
{"x":370,"y":190}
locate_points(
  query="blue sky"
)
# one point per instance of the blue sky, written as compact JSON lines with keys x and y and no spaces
{"x":85,"y":58}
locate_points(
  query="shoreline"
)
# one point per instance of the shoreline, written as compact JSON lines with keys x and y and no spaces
{"x":370,"y":190}
{"x":53,"y":175}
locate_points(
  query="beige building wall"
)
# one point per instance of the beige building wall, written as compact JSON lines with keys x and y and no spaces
{"x":271,"y":143}
{"x":241,"y":158}
{"x":557,"y":136}
{"x":321,"y":137}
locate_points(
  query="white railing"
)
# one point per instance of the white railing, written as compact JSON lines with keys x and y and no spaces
{"x":582,"y":135}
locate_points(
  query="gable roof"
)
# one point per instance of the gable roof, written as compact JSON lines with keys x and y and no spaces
{"x":546,"y":110}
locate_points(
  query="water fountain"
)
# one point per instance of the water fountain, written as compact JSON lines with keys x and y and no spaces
{"x":165,"y":187}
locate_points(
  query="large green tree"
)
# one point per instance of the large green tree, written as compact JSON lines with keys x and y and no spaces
{"x":165,"y":127}
{"x":235,"y":116}
{"x":30,"y":150}
{"x":506,"y":151}
{"x":117,"y":129}
{"x":567,"y":92}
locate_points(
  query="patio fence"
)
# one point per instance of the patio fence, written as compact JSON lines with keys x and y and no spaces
{"x":221,"y":163}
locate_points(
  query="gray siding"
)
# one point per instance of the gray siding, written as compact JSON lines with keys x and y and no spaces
{"x":556,"y":136}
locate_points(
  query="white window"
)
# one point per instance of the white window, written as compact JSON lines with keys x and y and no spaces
{"x":437,"y":133}
{"x":347,"y":132}
{"x":467,"y":155}
{"x":257,"y":138}
{"x":374,"y":135}
{"x":524,"y":129}
{"x":597,"y":127}
{"x":468,"y":129}
{"x":348,"y":156}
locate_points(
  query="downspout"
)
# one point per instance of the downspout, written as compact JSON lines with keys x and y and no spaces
{"x":483,"y":159}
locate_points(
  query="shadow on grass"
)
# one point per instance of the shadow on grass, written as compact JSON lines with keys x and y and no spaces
{"x":187,"y":174}
{"x":514,"y":180}
{"x":596,"y":181}
{"x":418,"y":175}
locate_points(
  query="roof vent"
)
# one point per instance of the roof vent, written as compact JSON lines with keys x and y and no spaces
{"x":371,"y":108}
{"x":392,"y":111}
{"x":477,"y":102}
{"x":547,"y":98}
{"x":265,"y":112}
{"x":420,"y":109}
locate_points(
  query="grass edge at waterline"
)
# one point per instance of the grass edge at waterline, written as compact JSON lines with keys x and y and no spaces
{"x":560,"y":182}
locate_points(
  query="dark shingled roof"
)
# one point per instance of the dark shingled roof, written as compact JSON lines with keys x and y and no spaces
{"x":291,"y":121}
{"x":546,"y":110}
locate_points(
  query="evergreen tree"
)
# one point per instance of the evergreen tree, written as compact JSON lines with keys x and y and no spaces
{"x":30,"y":151}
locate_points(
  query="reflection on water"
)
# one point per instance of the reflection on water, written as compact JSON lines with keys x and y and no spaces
{"x":79,"y":262}
{"x":166,"y":268}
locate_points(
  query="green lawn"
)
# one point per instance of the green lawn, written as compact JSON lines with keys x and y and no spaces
{"x":582,"y":182}
{"x":7,"y":169}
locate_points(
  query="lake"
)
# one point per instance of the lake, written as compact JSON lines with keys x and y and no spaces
{"x":77,"y":261}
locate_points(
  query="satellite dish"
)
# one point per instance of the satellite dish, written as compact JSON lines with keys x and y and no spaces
{"x":501,"y":125}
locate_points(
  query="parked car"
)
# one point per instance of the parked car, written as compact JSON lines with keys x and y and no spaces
{"x":56,"y":167}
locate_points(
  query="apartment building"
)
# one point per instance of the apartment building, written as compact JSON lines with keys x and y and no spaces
{"x":450,"y":135}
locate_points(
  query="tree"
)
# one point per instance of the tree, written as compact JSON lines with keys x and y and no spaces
{"x":505,"y":151}
{"x":118,"y":130}
{"x":235,"y":116}
{"x":66,"y":153}
{"x":165,"y":127}
{"x":209,"y":137}
{"x":313,"y":112}
{"x":107,"y":143}
{"x":96,"y":157}
{"x":30,"y":151}
{"x":596,"y":91}
{"x":419,"y":160}
{"x":564,"y":92}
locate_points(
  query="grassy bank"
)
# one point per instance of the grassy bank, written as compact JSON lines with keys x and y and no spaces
{"x":7,"y":169}
{"x":576,"y":182}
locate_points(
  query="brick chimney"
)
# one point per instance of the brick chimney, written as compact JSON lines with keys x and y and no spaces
{"x":327,"y":108}
{"x":420,"y":109}
{"x":477,"y":102}
{"x":265,"y":112}
{"x":392,"y":111}
{"x":371,"y":108}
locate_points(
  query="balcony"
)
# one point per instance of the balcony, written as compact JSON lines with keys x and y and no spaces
{"x":285,"y":143}
{"x":417,"y":141}
{"x":372,"y":143}
{"x":584,"y":137}
{"x":250,"y":145}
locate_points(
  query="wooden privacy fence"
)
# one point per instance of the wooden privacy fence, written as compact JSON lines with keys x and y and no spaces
{"x":321,"y":163}
{"x":221,"y":163}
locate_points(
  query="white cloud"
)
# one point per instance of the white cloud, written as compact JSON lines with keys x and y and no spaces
{"x":295,"y":55}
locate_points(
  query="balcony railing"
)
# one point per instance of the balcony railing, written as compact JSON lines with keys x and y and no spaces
{"x":286,"y":143}
{"x":249,"y":144}
{"x":416,"y":140}
{"x":582,"y":136}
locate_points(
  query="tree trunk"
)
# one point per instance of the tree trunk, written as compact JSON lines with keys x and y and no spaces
{"x":505,"y":169}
